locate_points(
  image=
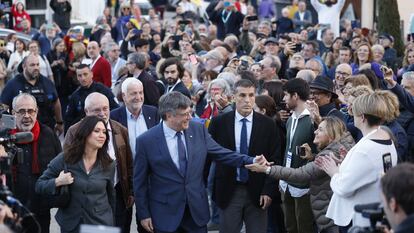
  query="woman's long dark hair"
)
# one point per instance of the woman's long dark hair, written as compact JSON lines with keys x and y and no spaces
{"x":73,"y":152}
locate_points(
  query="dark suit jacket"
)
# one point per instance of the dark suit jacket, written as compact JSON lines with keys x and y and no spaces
{"x":151,"y":91}
{"x":122,"y":152}
{"x":307,"y":20}
{"x":92,"y":198}
{"x":150,"y":115}
{"x":232,"y":26}
{"x":180,"y":87}
{"x":264,"y":140}
{"x":161,"y":192}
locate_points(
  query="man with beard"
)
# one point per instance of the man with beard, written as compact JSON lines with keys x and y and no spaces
{"x":172,"y":71}
{"x":328,"y":14}
{"x":43,"y":90}
{"x":35,"y":157}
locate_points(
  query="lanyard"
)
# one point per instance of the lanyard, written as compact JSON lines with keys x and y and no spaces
{"x":227,"y":18}
{"x":94,"y":62}
{"x":292,"y":131}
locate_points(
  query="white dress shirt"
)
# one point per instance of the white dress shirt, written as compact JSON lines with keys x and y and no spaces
{"x":136,"y":127}
{"x":111,"y":152}
{"x":171,"y":138}
{"x":237,"y":132}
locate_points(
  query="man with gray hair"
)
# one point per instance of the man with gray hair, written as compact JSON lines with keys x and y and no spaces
{"x":35,"y":157}
{"x":136,"y":64}
{"x":270,"y":68}
{"x":112,"y":53}
{"x":169,"y":165}
{"x":307,"y":75}
{"x":97,"y":104}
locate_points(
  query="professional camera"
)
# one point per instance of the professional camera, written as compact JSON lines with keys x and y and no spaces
{"x":375,"y":213}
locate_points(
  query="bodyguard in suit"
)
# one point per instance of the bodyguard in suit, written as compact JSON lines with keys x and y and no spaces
{"x":172,"y":71}
{"x":244,"y":196}
{"x":96,"y":104}
{"x":169,"y":189}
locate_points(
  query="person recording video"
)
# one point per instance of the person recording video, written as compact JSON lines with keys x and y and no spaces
{"x":397,"y":196}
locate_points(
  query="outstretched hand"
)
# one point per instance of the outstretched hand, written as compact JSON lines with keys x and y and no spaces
{"x":261,"y":160}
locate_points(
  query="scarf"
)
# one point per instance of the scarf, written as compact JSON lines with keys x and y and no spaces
{"x":35,"y":159}
{"x":209,"y":112}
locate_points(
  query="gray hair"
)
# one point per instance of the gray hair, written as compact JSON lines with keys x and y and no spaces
{"x":275,"y":62}
{"x":171,"y":102}
{"x":109,"y":46}
{"x":221,"y":83}
{"x":22,"y":95}
{"x":232,"y":40}
{"x":93,"y":96}
{"x":408,"y":75}
{"x":139,"y":59}
{"x":129,"y":81}
{"x":307,"y":75}
{"x":229,"y":77}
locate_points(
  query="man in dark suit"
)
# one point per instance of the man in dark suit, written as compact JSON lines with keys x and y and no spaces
{"x":135,"y":116}
{"x":96,"y":104}
{"x":244,"y":196}
{"x":302,"y":18}
{"x":169,"y":187}
{"x":172,"y":71}
{"x":226,"y":17}
{"x":136,"y":63}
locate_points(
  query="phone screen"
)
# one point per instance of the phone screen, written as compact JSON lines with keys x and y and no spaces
{"x":386,"y":162}
{"x":193,"y":59}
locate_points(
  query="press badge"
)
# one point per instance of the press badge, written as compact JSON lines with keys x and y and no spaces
{"x":289,"y":159}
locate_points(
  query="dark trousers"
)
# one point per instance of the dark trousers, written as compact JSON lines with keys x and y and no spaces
{"x":298,"y":213}
{"x":123,"y":215}
{"x":242,"y":209}
{"x":187,"y":225}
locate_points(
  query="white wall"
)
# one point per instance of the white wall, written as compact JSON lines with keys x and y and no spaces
{"x":87,"y":10}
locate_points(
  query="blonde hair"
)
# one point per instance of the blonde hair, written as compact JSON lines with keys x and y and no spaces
{"x":335,"y":128}
{"x":378,"y":47}
{"x":78,"y":49}
{"x":360,"y":90}
{"x":358,"y":80}
{"x":382,"y":105}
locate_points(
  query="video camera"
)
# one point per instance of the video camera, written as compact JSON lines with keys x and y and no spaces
{"x":375,"y":213}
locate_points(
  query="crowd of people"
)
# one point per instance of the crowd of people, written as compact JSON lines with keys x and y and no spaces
{"x":226,"y":121}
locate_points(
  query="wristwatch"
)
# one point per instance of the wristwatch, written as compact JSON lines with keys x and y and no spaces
{"x":267,"y":170}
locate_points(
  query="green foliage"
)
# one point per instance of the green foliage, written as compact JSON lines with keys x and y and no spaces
{"x":389,"y":22}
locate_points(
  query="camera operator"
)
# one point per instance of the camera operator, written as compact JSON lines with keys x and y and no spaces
{"x":398,"y":197}
{"x":35,"y":157}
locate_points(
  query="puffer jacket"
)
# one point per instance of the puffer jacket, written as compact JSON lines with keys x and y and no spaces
{"x":320,"y":190}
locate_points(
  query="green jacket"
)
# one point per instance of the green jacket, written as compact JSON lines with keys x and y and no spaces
{"x":304,"y":133}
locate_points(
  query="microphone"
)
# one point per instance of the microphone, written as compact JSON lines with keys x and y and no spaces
{"x":21,"y":137}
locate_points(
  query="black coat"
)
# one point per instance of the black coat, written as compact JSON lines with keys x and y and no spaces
{"x":263,"y":140}
{"x":233,"y":24}
{"x":151,"y":91}
{"x":24,"y":186}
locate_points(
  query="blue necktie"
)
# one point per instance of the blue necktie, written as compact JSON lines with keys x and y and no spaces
{"x":243,"y":173}
{"x":181,"y":154}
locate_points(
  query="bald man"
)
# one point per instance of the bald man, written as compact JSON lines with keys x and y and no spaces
{"x":342,"y":72}
{"x":97,"y":104}
{"x":100,"y":67}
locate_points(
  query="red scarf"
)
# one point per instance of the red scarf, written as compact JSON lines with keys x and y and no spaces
{"x":209,"y":112}
{"x":35,"y":161}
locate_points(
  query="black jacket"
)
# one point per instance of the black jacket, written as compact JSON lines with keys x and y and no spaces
{"x":232,"y":25}
{"x":263,"y":140}
{"x":48,"y":147}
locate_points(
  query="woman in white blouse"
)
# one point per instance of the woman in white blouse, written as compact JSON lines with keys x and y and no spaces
{"x":17,"y":56}
{"x":357,"y":180}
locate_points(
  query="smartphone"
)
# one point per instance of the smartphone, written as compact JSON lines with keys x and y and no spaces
{"x":300,"y":151}
{"x":185,"y":22}
{"x":298,"y":48}
{"x":355,"y":24}
{"x":386,"y":162}
{"x":252,"y":18}
{"x":193,"y":59}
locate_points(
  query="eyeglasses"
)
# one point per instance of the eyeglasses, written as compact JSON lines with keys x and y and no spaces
{"x":342,"y":73}
{"x":126,"y":8}
{"x":23,"y":111}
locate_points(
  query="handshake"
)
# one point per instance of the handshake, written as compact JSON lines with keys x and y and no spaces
{"x":260,"y":164}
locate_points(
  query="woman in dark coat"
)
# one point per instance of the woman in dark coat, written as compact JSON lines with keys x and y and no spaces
{"x":90,"y":174}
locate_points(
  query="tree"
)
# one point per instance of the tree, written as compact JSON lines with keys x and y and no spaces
{"x":389,"y":22}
